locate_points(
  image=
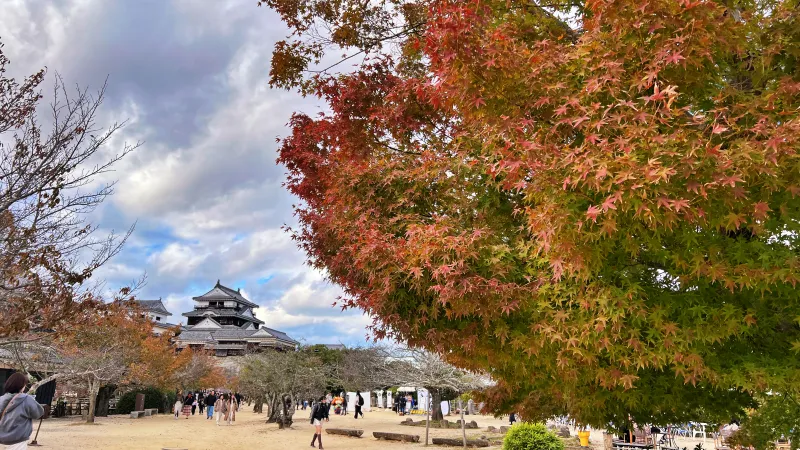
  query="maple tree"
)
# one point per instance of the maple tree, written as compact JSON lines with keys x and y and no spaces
{"x":102,"y":351}
{"x":201,"y":371}
{"x":596,"y":203}
{"x":159,"y":365}
{"x":49,"y":183}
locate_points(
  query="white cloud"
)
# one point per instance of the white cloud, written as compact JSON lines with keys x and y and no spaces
{"x":191,"y":76}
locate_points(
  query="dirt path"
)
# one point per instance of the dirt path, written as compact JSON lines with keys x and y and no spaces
{"x":247,"y":433}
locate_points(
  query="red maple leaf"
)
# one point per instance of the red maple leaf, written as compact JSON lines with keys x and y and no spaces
{"x":760,"y":210}
{"x":674,"y":58}
{"x":593,"y":212}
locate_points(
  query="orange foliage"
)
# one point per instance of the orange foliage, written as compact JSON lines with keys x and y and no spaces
{"x":158,"y":364}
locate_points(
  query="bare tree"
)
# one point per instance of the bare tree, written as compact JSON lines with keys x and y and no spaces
{"x":49,"y":182}
{"x":282,"y":378}
{"x":363,"y":369}
{"x":429,"y":370}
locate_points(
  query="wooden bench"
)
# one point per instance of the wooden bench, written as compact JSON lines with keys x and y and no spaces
{"x":137,"y":414}
{"x":345,"y":432}
{"x":396,"y":436}
{"x":460,"y":442}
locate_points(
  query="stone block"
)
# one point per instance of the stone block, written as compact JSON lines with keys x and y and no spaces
{"x":458,"y":442}
{"x":344,"y":432}
{"x":396,"y":436}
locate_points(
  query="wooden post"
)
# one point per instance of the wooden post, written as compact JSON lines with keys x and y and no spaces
{"x":428,"y":420}
{"x":139,"y":403}
{"x":608,"y":443}
{"x":34,"y":443}
{"x":463,"y":424}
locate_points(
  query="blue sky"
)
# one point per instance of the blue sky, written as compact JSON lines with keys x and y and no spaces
{"x":190,"y":77}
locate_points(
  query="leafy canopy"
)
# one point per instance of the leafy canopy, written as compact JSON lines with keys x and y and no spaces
{"x":597,"y":203}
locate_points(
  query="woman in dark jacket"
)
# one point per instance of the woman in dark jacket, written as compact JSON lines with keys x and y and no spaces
{"x":318,"y":413}
{"x":187,"y":405}
{"x":18,"y":413}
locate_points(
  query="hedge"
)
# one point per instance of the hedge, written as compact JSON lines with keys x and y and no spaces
{"x":153,"y":398}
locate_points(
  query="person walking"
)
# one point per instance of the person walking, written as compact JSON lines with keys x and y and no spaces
{"x":359,"y":404}
{"x":233,"y":405}
{"x":19,"y":410}
{"x":209,"y":400}
{"x":219,"y":408}
{"x":344,"y":403}
{"x":201,"y":403}
{"x":177,"y":407}
{"x":187,"y":405}
{"x":194,"y":405}
{"x":512,"y":418}
{"x":319,"y":412}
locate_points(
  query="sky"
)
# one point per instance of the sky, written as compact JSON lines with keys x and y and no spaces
{"x":204,"y":190}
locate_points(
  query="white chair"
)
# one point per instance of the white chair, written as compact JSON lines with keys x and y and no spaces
{"x":699,"y":430}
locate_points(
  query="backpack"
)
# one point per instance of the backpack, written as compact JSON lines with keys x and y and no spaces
{"x":7,"y":439}
{"x":313,"y":412}
{"x":360,"y":401}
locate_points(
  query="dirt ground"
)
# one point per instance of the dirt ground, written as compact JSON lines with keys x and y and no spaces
{"x":248,"y":432}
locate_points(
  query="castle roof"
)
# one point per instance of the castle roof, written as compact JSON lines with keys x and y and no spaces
{"x":233,"y":333}
{"x":224,"y":293}
{"x":213,"y":332}
{"x":222,"y":312}
{"x":154,"y":306}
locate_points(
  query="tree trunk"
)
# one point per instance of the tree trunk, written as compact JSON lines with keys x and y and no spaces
{"x":103,"y":398}
{"x":94,"y":387}
{"x":437,"y":405}
{"x":463,"y":424}
{"x":428,"y":421}
{"x":286,"y":411}
{"x":274,"y":405}
{"x":258,"y":406}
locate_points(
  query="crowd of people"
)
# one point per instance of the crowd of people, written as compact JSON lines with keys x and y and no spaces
{"x":403,"y":404}
{"x":223,"y":405}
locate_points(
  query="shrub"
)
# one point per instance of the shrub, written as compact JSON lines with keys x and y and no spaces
{"x":169,"y":401}
{"x":531,"y":436}
{"x":153,"y":398}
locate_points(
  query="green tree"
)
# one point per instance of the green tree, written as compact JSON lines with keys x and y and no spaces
{"x":778,"y":417}
{"x":596,"y":203}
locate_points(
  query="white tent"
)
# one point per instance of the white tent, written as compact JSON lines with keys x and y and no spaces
{"x":352,"y":401}
{"x":423,"y":398}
